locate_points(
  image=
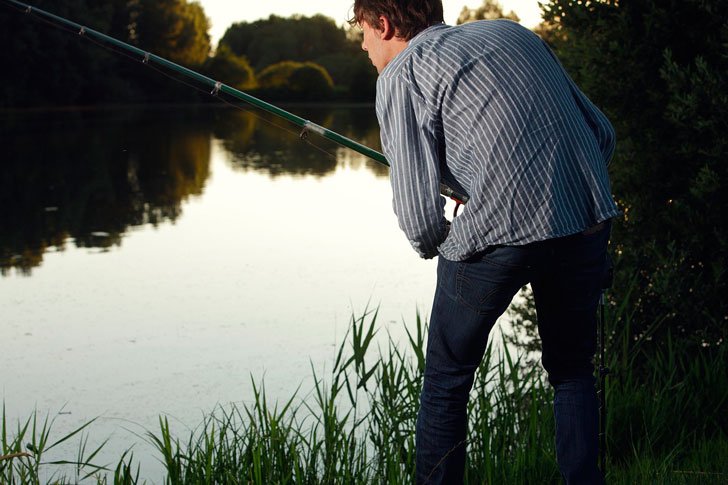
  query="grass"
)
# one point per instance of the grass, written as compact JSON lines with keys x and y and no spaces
{"x":23,"y":453}
{"x":356,"y":425}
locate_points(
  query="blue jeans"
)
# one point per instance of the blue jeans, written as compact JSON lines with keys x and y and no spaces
{"x":566,"y":276}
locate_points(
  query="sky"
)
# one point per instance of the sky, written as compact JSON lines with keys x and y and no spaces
{"x":222,"y":13}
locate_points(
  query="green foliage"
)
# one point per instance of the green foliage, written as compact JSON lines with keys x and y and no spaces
{"x":23,"y":450}
{"x":36,"y":53}
{"x":639,"y":412}
{"x":658,"y":70}
{"x":230,"y":69}
{"x":275,"y":39}
{"x":353,"y":74}
{"x":295,"y":80}
{"x":173,"y":29}
{"x":357,"y":425}
{"x":314,"y":39}
{"x":490,"y":9}
{"x":84,"y":73}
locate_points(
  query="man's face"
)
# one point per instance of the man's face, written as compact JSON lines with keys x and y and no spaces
{"x":373,"y":44}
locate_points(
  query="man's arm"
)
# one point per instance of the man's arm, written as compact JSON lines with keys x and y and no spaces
{"x":410,"y":145}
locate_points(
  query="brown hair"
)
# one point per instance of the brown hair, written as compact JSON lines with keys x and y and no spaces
{"x":408,"y":17}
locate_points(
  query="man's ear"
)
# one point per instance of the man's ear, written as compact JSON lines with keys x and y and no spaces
{"x":387,"y":31}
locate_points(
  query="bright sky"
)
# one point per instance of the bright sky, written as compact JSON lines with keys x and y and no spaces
{"x":222,"y":13}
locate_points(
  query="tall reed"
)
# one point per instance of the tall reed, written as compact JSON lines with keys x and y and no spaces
{"x":23,"y":452}
{"x":357,"y":424}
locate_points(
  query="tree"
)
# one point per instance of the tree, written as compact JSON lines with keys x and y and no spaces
{"x":37,"y":52}
{"x":314,"y":39}
{"x":489,"y":10}
{"x":275,"y":39}
{"x":174,"y":29}
{"x":295,"y":80}
{"x":85,"y":73}
{"x":658,"y":70}
{"x":230,"y":69}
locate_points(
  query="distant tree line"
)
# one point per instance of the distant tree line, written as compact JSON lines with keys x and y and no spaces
{"x":301,"y":57}
{"x":46,"y":65}
{"x":488,"y":10}
{"x":297,"y":58}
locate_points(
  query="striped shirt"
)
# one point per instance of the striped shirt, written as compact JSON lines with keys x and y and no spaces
{"x":488,"y":109}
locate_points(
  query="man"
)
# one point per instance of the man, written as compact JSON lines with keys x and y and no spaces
{"x":488,"y":109}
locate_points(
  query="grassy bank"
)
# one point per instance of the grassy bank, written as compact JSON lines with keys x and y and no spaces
{"x":357,"y":425}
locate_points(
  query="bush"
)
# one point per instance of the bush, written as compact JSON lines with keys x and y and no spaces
{"x":299,"y":81}
{"x":230,"y":69}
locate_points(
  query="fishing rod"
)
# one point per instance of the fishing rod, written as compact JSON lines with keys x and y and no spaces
{"x":217,"y":87}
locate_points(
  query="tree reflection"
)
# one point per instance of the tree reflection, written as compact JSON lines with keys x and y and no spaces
{"x":85,"y":177}
{"x":359,"y":124}
{"x":258,"y":141}
{"x":89,"y":175}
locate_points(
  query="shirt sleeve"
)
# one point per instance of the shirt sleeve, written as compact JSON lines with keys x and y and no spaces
{"x":411,"y":147}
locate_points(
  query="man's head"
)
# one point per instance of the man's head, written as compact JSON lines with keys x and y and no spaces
{"x":407,"y":17}
{"x":389,"y":24}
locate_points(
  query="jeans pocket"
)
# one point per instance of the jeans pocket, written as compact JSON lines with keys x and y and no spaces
{"x":487,"y":287}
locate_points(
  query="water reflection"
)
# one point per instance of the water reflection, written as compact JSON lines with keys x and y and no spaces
{"x":87,"y":176}
{"x":264,"y":143}
{"x":269,"y":145}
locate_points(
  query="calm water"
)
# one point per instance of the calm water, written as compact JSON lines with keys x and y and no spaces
{"x":154,"y":260}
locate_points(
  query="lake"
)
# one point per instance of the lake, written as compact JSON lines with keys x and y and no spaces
{"x":155,"y":260}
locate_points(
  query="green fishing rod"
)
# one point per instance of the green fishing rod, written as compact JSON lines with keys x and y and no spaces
{"x":218,"y":87}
